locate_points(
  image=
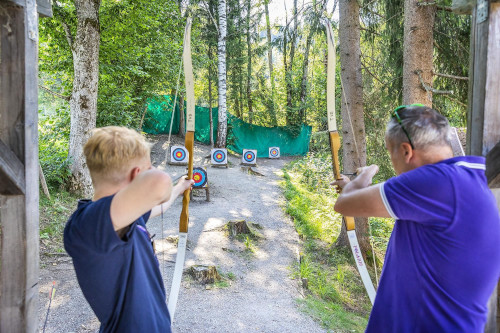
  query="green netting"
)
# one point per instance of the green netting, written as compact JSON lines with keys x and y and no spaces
{"x":241,"y":135}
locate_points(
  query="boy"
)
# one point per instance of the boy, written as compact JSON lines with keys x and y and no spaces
{"x":107,"y":238}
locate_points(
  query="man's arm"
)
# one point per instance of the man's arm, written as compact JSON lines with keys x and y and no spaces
{"x":147,"y":189}
{"x":359,"y":198}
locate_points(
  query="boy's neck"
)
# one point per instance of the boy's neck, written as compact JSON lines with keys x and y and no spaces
{"x":106,"y":190}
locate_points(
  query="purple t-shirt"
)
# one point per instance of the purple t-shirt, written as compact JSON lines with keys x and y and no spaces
{"x":120,"y":278}
{"x":443,"y":257}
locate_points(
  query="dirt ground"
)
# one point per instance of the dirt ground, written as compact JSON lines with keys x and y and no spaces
{"x":259,"y":296}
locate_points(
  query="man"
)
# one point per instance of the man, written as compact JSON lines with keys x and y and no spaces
{"x":443,"y":257}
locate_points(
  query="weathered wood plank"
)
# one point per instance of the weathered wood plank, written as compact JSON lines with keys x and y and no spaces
{"x":44,"y":7}
{"x":11,"y":172}
{"x":478,"y":69}
{"x":493,"y":166}
{"x":491,"y":134}
{"x":18,"y":130}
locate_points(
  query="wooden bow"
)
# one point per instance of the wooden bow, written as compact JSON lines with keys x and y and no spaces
{"x":335,"y":146}
{"x":189,"y":142}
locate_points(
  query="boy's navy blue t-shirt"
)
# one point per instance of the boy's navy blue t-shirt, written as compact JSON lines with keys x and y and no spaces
{"x":120,"y":278}
{"x":443,"y":257}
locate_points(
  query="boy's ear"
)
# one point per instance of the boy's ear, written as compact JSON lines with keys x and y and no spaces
{"x":133,"y":173}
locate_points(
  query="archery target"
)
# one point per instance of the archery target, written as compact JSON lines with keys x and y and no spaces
{"x":274,"y":152}
{"x":219,"y":156}
{"x":200,"y":177}
{"x":249,"y":156}
{"x":178,"y":155}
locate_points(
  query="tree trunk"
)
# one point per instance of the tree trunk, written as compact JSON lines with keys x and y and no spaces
{"x":249,"y":64}
{"x":83,"y":101}
{"x":289,"y":70}
{"x":353,"y":126}
{"x":303,"y":85}
{"x":272,"y":110}
{"x":221,"y":50}
{"x":210,"y":55}
{"x":418,"y":52}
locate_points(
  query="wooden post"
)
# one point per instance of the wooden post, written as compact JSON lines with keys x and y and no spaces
{"x":19,"y":164}
{"x":483,"y":119}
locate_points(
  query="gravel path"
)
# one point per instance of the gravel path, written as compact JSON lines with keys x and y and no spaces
{"x":261,"y":297}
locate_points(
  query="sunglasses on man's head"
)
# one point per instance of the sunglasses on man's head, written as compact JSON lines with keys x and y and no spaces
{"x":395,"y":115}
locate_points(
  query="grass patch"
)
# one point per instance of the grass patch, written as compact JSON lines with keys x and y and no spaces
{"x":335,"y":294}
{"x":53,"y":216}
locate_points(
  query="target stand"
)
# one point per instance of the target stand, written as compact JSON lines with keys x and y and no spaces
{"x":249,"y":157}
{"x":218,"y":157}
{"x":274,"y":152}
{"x":200,"y":181}
{"x":178,"y":155}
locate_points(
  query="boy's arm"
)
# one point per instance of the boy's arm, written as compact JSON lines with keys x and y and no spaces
{"x":359,"y":198}
{"x":147,"y":189}
{"x":177,"y":190}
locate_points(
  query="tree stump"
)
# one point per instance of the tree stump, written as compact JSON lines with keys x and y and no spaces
{"x":204,"y":274}
{"x":242,"y":227}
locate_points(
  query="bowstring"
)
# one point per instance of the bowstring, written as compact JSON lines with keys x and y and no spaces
{"x":359,"y":163}
{"x":168,"y":151}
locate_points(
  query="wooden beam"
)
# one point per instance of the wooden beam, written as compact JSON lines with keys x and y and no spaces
{"x":493,"y":167}
{"x":44,"y":7}
{"x":491,"y":133}
{"x":19,"y":252}
{"x":11,"y":172}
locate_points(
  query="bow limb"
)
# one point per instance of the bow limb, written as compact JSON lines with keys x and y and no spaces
{"x":189,"y":142}
{"x":190,"y":114}
{"x":335,"y":146}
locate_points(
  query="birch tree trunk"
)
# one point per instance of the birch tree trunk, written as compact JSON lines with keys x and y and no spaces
{"x":272,"y":111}
{"x":353,"y":126}
{"x":210,"y":55}
{"x":249,"y":63}
{"x":418,"y":51}
{"x":289,"y":70}
{"x":303,"y":85}
{"x":83,"y":101}
{"x":221,"y":50}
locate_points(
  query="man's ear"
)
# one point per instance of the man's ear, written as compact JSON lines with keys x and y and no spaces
{"x":407,"y":151}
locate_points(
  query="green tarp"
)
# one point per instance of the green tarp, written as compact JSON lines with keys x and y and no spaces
{"x":241,"y":135}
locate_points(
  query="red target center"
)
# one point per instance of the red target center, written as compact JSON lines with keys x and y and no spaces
{"x":219,"y":156}
{"x":249,"y":156}
{"x":197,"y":177}
{"x":178,"y":154}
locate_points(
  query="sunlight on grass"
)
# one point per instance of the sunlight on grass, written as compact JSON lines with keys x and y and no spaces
{"x":335,"y":294}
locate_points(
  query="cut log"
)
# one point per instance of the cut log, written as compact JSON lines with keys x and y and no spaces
{"x":203,"y":274}
{"x":242,"y":227}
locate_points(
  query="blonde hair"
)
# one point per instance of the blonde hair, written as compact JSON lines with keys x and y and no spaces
{"x":112,"y":150}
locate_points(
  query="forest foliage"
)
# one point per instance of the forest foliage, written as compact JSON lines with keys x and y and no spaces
{"x":140,"y":57}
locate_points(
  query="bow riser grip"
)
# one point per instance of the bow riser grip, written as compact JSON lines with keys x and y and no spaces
{"x":184,"y":219}
{"x":349,"y":223}
{"x":335,"y":146}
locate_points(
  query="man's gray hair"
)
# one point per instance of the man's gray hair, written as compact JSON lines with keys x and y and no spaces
{"x":425,"y":126}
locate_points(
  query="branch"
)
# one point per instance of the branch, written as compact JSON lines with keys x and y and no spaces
{"x":463,"y":78}
{"x":66,"y":98}
{"x":455,"y":100}
{"x":207,"y":8}
{"x":371,"y":74}
{"x":433,"y":3}
{"x":429,"y":89}
{"x":69,"y":36}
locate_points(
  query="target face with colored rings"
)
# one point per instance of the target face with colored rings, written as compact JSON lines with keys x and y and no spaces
{"x":179,"y":154}
{"x":274,"y":152}
{"x":199,"y":177}
{"x":249,"y":156}
{"x":219,"y":156}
